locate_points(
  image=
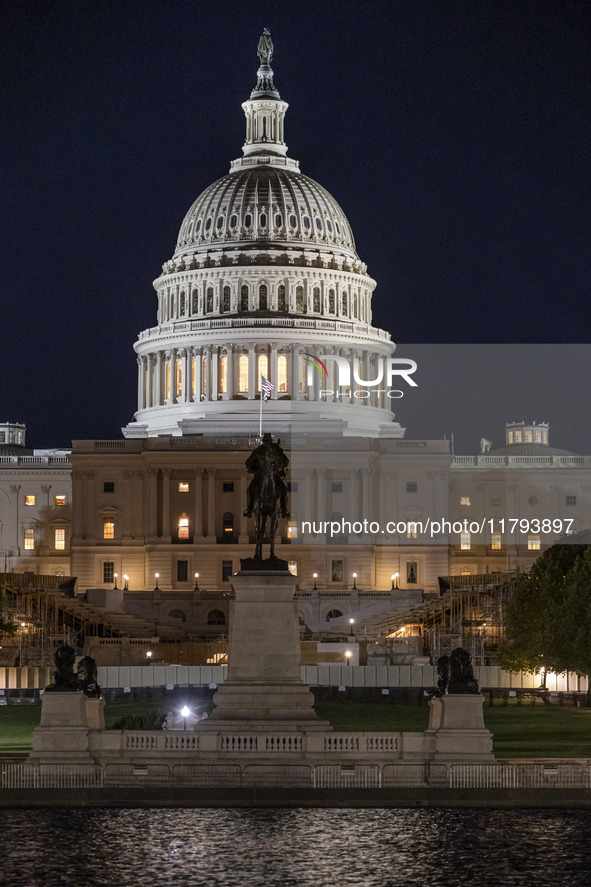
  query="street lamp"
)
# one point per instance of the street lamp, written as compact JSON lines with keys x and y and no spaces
{"x":126,"y":578}
{"x":149,"y":655}
{"x":115,"y":578}
{"x":155,"y":628}
{"x":394,"y":578}
{"x":196,"y":582}
{"x":185,"y":712}
{"x":348,"y":655}
{"x":315,"y":578}
{"x":156,"y":576}
{"x":355,"y":581}
{"x":351,"y":623}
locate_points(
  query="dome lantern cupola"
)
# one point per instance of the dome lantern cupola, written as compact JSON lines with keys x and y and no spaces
{"x":265,"y":111}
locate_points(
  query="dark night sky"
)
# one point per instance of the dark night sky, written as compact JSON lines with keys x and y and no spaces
{"x":455,"y":135}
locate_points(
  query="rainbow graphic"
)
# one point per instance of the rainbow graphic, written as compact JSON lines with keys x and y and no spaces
{"x":316,"y":362}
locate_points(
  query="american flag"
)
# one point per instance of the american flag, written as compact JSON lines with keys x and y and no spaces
{"x":266,"y":388}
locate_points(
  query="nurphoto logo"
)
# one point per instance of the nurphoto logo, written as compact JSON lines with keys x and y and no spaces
{"x":388,"y":369}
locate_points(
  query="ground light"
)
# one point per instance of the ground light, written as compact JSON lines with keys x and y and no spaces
{"x":185,"y":712}
{"x":351,"y":623}
{"x":348,"y":655}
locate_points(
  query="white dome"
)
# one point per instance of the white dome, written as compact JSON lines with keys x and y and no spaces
{"x":266,"y":204}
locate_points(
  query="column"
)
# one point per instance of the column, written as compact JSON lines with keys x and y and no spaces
{"x":158,"y":380}
{"x":198,"y":506}
{"x":252,"y":375}
{"x":230,"y":371}
{"x":166,"y":472}
{"x":214,"y":358}
{"x":295,"y":372}
{"x":140,"y":383}
{"x":210,"y":504}
{"x":243,"y":521}
{"x":273,"y":370}
{"x":198,"y":361}
{"x":207,"y":379}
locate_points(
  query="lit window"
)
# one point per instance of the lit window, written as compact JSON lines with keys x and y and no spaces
{"x":292,"y":530}
{"x":60,"y":500}
{"x":292,"y":566}
{"x":179,"y":378}
{"x":538,"y":437}
{"x":411,"y":530}
{"x":224,"y":373}
{"x":228,"y":523}
{"x":528,"y":436}
{"x":108,"y":571}
{"x":465,"y":541}
{"x":183,"y":526}
{"x":412,"y":487}
{"x":193,"y":377}
{"x":59,"y":539}
{"x":544,"y":437}
{"x":412,"y":572}
{"x":108,"y":528}
{"x":518,"y":437}
{"x":29,"y":500}
{"x":263,"y":365}
{"x":29,"y":539}
{"x":571,"y":500}
{"x":509,"y":437}
{"x":183,"y":486}
{"x":465,"y":573}
{"x":109,"y":486}
{"x":243,"y":373}
{"x":495,"y":542}
{"x":282,"y":374}
{"x":167,"y":383}
{"x":533,"y":542}
{"x":464,"y":500}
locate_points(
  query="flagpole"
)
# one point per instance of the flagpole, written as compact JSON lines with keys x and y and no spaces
{"x":261,"y":410}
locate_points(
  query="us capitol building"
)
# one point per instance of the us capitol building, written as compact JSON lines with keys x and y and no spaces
{"x":265,"y":281}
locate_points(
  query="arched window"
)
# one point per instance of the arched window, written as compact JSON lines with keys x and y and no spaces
{"x":224,"y":373}
{"x":282,"y":374}
{"x":331,"y":302}
{"x":355,"y":305}
{"x":243,"y":373}
{"x":316,"y":300}
{"x":178,"y":614}
{"x":333,"y":614}
{"x":248,"y":220}
{"x":300,"y":299}
{"x":344,"y":303}
{"x":228,"y":525}
{"x":183,"y":303}
{"x":195,"y":301}
{"x":292,"y":221}
{"x":263,"y":369}
{"x":209,"y":308}
{"x":220,"y":222}
{"x":167,"y":381}
{"x":208,"y":225}
{"x":263,"y":297}
{"x":204,"y":375}
{"x":226,"y":299}
{"x":183,"y":526}
{"x":244,"y":298}
{"x":281,"y":305}
{"x":216,"y":617}
{"x":278,"y":220}
{"x":193,"y":376}
{"x":179,"y":379}
{"x":263,"y":220}
{"x":233,"y":221}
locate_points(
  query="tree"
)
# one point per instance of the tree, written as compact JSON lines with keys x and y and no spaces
{"x":538,"y":621}
{"x":578,"y":614}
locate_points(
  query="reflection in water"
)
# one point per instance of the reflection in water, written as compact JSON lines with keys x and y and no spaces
{"x":289,"y":848}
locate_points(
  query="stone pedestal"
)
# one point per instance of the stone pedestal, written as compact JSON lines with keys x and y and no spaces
{"x":457,"y":723}
{"x":66,"y":718}
{"x":264,"y":685}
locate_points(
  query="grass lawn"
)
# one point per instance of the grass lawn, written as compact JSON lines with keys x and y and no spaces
{"x":519,"y":731}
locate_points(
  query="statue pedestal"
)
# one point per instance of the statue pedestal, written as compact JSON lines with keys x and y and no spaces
{"x":457,"y":722}
{"x":66,"y":718}
{"x":264,"y":683}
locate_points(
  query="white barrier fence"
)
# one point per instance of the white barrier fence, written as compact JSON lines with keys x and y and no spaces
{"x":338,"y":775}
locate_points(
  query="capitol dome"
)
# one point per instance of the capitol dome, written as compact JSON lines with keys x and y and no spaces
{"x":264,"y":277}
{"x":266,"y":205}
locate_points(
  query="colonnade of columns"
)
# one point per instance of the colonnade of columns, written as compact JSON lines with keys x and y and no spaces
{"x":194,"y":374}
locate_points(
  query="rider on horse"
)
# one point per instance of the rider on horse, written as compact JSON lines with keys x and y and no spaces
{"x":268,"y":457}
